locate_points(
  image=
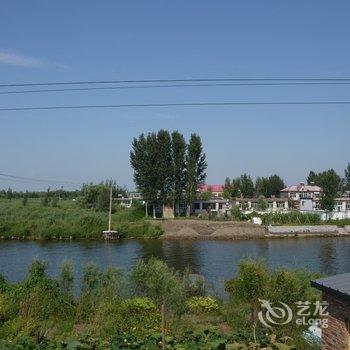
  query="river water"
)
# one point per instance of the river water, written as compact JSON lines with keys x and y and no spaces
{"x":215,"y":260}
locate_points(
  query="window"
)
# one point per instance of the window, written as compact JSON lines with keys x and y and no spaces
{"x":254,"y":204}
{"x":206,"y":206}
{"x":338,"y":206}
{"x":196,"y":206}
{"x":347,"y":206}
{"x":280,"y":205}
{"x":317,"y":206}
{"x":220,"y":205}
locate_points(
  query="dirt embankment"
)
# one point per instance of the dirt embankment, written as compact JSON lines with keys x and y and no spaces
{"x":215,"y":230}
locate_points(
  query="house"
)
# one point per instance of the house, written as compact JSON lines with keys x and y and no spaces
{"x":253,"y":204}
{"x":301,"y":191}
{"x":214,"y":205}
{"x":341,"y":208}
{"x":336,"y":294}
{"x":216,"y":190}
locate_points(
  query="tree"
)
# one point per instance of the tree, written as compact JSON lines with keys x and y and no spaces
{"x":45,"y":198}
{"x":97,"y":196}
{"x":54,"y":202}
{"x":178,"y":166}
{"x":263,"y":203}
{"x":9,"y":194}
{"x":157,"y":281}
{"x":330,"y":182}
{"x":312,"y":178}
{"x":163,"y":166}
{"x":276,"y":184}
{"x":195,"y":168}
{"x":250,"y":285}
{"x":25,"y":199}
{"x":231,"y":188}
{"x":246,"y":186}
{"x":347,"y":178}
{"x":268,"y":187}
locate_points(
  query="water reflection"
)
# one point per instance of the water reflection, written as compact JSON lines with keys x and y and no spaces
{"x":216,"y":261}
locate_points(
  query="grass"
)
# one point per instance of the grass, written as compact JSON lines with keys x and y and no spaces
{"x":68,"y":220}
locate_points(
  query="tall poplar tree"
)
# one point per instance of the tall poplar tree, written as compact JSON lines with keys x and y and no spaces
{"x":195,"y":168}
{"x":178,"y":166}
{"x":347,"y":178}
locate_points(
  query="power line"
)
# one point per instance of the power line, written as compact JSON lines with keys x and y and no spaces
{"x":177,"y":86}
{"x":36,"y":180}
{"x":185,"y":104}
{"x":175,"y":81}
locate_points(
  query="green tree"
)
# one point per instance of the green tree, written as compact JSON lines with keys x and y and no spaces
{"x":144,"y":160}
{"x":25,"y":199}
{"x":330,"y":182}
{"x":250,"y":284}
{"x":9,"y":194}
{"x":263,"y":204}
{"x":231,"y":188}
{"x":246,"y":186}
{"x":163,"y":166}
{"x":54,"y":202}
{"x":312,"y":178}
{"x":195,"y":168}
{"x":236,"y":213}
{"x":45,"y":198}
{"x":347,"y":178}
{"x":178,"y":166}
{"x":269,"y":186}
{"x":157,"y":281}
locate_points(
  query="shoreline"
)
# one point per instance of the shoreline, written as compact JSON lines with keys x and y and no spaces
{"x":193,"y":229}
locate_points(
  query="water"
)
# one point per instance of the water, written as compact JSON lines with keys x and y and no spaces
{"x":215,"y":260}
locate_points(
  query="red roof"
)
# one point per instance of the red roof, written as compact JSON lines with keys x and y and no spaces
{"x":213,"y":188}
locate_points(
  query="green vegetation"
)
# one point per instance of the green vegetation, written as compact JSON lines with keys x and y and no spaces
{"x":153,"y":307}
{"x":244,"y":186}
{"x":166,"y":170}
{"x":67,"y":219}
{"x":292,"y":218}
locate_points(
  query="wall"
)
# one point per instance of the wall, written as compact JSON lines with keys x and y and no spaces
{"x":336,"y":336}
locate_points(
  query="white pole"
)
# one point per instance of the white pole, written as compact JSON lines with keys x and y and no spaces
{"x":110,"y":210}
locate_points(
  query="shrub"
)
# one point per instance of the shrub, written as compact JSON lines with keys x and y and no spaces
{"x":202,"y":304}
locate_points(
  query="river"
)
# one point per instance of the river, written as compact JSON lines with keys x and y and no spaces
{"x":215,"y":260}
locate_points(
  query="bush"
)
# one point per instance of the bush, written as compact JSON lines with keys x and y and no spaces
{"x":291,"y":218}
{"x":202,"y":304}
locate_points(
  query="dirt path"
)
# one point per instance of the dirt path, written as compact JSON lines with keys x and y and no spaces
{"x":215,"y":230}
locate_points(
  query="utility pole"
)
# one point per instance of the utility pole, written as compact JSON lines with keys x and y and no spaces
{"x":110,"y":209}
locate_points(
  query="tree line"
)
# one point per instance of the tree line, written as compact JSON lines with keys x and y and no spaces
{"x":167,"y":170}
{"x":244,"y":186}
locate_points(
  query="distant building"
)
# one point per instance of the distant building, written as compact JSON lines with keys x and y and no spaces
{"x":252,"y":204}
{"x":341,"y":208}
{"x":218,"y":206}
{"x":216,"y":190}
{"x":301,"y":191}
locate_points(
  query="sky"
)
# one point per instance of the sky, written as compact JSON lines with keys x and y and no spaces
{"x":43,"y":41}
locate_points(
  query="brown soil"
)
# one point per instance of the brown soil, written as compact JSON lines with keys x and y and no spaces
{"x":204,"y":229}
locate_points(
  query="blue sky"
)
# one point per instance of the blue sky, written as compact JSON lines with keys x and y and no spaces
{"x":96,"y":40}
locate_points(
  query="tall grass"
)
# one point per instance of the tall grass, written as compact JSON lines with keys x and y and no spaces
{"x":68,"y":220}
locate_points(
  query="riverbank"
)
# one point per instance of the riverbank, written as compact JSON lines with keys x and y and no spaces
{"x":68,"y":220}
{"x":230,"y":230}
